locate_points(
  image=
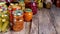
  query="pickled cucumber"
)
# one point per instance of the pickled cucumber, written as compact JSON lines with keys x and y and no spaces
{"x":5,"y":25}
{"x":0,"y":24}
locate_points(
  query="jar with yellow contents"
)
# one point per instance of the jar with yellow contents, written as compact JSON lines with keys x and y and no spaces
{"x":40,"y":4}
{"x":4,"y":17}
{"x":22,"y":4}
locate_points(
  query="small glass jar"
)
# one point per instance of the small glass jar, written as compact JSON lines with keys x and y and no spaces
{"x":58,"y":3}
{"x":48,"y":4}
{"x":28,"y":15}
{"x":33,"y":6}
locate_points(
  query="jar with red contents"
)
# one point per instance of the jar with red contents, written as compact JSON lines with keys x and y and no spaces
{"x":10,"y":13}
{"x":33,"y":6}
{"x":27,"y":3}
{"x":18,"y":20}
{"x":58,"y":3}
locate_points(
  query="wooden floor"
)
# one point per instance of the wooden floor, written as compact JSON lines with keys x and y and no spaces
{"x":46,"y":21}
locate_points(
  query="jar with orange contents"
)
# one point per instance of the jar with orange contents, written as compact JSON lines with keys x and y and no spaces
{"x":18,"y":20}
{"x":28,"y":15}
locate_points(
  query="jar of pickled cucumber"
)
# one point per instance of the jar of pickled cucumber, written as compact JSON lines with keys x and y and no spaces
{"x":28,"y":15}
{"x":4,"y":17}
{"x":18,"y":20}
{"x":5,"y":21}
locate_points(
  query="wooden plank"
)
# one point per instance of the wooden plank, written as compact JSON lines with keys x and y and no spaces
{"x":34,"y":26}
{"x":45,"y":26}
{"x":56,"y":12}
{"x":27,"y":27}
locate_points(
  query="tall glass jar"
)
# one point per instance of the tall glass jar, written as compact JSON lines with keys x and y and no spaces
{"x":18,"y":20}
{"x":40,"y":4}
{"x":48,"y":3}
{"x":22,"y":4}
{"x":4,"y":17}
{"x":33,"y":6}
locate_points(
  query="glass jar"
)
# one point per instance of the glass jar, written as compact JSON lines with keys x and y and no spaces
{"x":4,"y":17}
{"x":18,"y":20}
{"x":5,"y":21}
{"x":33,"y":6}
{"x":22,"y":4}
{"x":28,"y":15}
{"x":40,"y":4}
{"x":48,"y":4}
{"x":58,"y":3}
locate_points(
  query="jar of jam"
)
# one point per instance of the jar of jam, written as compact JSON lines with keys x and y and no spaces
{"x":18,"y":20}
{"x":58,"y":3}
{"x":33,"y":6}
{"x":28,"y":15}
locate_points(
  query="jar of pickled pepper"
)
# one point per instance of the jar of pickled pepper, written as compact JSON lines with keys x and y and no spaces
{"x":18,"y":20}
{"x":28,"y":15}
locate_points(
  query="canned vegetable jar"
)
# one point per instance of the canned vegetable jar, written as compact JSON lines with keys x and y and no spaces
{"x":28,"y":15}
{"x":22,"y":4}
{"x":18,"y":20}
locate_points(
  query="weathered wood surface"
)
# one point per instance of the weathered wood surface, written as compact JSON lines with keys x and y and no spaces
{"x":56,"y":12}
{"x":46,"y":21}
{"x":34,"y":26}
{"x":45,"y":25}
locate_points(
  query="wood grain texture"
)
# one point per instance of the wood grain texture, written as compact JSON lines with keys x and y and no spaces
{"x":56,"y":12}
{"x":45,"y":26}
{"x":34,"y":26}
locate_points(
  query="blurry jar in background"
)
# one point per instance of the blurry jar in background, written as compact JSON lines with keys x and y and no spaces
{"x":28,"y":15}
{"x":58,"y":3}
{"x":40,"y":4}
{"x":22,"y":5}
{"x":33,"y":6}
{"x":48,"y":3}
{"x":27,"y":3}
